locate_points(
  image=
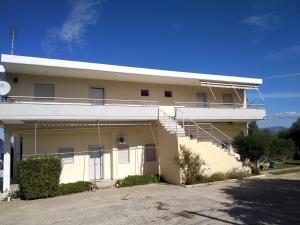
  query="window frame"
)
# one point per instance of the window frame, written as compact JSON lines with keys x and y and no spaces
{"x":68,"y":150}
{"x":35,"y":91}
{"x":143,"y":91}
{"x":168,"y":96}
{"x":228,"y":103}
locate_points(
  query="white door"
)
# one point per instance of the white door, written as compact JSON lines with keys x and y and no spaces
{"x":201,"y":99}
{"x":97,"y":93}
{"x":96,"y":166}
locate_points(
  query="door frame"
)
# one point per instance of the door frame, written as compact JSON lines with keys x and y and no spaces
{"x":101,"y":161}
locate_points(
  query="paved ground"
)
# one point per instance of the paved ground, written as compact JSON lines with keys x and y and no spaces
{"x":269,"y":200}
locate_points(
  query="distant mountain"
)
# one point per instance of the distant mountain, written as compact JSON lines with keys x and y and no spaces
{"x":276,"y":129}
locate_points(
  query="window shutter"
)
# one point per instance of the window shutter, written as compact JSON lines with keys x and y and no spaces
{"x":123,"y":156}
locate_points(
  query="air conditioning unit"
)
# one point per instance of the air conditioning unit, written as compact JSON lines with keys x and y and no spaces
{"x":122,"y":140}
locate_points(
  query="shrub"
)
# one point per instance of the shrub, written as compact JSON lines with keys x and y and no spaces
{"x":136,"y":180}
{"x":282,"y":149}
{"x":79,"y":186}
{"x":39,"y":177}
{"x":217,"y":177}
{"x":191,"y":165}
{"x":237,"y":173}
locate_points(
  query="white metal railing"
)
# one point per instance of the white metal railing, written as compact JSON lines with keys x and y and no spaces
{"x":77,"y":101}
{"x":217,"y":105}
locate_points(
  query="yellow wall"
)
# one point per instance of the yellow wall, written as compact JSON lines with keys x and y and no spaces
{"x":48,"y":141}
{"x":168,"y":150}
{"x":79,"y":88}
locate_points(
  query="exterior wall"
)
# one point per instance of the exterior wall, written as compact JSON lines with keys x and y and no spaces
{"x":231,"y":129}
{"x":48,"y":141}
{"x":216,"y":159}
{"x":79,"y":88}
{"x":168,"y":150}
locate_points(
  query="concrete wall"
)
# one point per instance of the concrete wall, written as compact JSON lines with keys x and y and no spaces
{"x":48,"y":141}
{"x":79,"y":88}
{"x":216,"y":159}
{"x":168,"y":151}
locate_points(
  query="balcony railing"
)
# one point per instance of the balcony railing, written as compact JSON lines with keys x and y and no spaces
{"x":76,"y":101}
{"x":217,"y":105}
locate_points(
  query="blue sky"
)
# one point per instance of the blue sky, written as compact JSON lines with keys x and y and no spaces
{"x":244,"y":38}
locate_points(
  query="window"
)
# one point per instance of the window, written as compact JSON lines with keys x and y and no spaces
{"x":201,"y":98}
{"x":227,"y":99}
{"x":123,"y":155}
{"x":150,"y":152}
{"x":44,"y":90}
{"x":66,"y":155}
{"x":168,"y":94}
{"x":144,"y":92}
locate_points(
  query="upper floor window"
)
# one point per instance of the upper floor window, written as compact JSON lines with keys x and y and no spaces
{"x":168,"y":94}
{"x":44,"y":90}
{"x":201,"y":99}
{"x":144,"y":92}
{"x":227,"y":99}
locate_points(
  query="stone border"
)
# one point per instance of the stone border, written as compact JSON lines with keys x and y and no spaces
{"x":222,"y":181}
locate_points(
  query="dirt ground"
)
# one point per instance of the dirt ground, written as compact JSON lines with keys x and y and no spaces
{"x":268,"y":200}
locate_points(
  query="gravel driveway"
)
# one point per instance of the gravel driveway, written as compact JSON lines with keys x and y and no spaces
{"x":269,"y":200}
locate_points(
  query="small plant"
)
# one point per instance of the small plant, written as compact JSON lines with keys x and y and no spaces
{"x":136,"y":180}
{"x":237,"y":173}
{"x":79,"y":186}
{"x":191,"y":165}
{"x":217,"y":177}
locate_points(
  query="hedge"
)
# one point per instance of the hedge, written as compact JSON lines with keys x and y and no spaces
{"x":79,"y":186}
{"x":39,"y":177}
{"x":137,"y":180}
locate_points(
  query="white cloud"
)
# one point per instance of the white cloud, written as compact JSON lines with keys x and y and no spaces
{"x":262,"y":21}
{"x":283,"y":115}
{"x":288,"y":75}
{"x":70,"y":34}
{"x":282,"y":95}
{"x":286,"y":54}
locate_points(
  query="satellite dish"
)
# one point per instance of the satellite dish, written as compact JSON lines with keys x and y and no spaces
{"x":4,"y":88}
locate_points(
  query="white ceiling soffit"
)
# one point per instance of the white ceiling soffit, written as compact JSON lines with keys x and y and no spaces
{"x":64,"y":68}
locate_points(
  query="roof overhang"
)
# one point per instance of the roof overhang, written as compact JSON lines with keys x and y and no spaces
{"x":63,"y":68}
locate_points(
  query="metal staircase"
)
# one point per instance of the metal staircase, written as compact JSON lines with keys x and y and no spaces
{"x":170,"y":124}
{"x":202,"y":132}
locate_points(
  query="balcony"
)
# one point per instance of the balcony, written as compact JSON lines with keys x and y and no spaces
{"x":16,"y":109}
{"x":225,"y":112}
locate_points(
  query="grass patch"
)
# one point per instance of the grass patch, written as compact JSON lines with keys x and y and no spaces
{"x":130,"y":181}
{"x":288,"y":164}
{"x":285,"y":171}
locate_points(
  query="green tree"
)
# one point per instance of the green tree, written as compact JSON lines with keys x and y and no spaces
{"x":252,"y":127}
{"x":294,"y":134}
{"x":282,"y":149}
{"x":252,"y":147}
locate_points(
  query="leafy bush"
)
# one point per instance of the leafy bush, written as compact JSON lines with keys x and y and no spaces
{"x":191,"y":165}
{"x":136,"y":180}
{"x":217,"y":177}
{"x":237,"y":173}
{"x":79,"y":186}
{"x":39,"y":177}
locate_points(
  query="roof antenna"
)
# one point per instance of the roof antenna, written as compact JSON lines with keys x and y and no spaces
{"x":12,"y":39}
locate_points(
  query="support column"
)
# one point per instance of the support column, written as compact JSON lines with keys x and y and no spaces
{"x":6,"y":161}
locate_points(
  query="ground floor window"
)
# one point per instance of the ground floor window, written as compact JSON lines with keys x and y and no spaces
{"x":150,"y":152}
{"x":123,"y":155}
{"x":66,"y":155}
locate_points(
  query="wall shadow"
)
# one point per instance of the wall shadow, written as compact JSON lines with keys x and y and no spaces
{"x":265,"y":201}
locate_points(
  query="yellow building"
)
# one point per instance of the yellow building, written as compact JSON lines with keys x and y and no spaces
{"x":107,"y":122}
